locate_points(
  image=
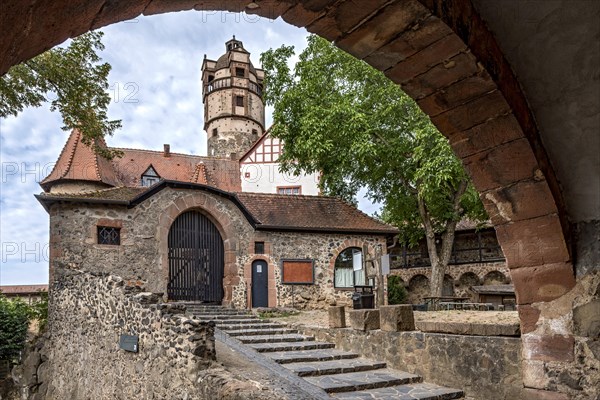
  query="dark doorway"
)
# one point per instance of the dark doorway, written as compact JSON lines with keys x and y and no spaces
{"x":195,"y":259}
{"x":260,"y":284}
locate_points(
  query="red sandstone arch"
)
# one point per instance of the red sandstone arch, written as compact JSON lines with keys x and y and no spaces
{"x":442,"y":55}
{"x":343,"y":246}
{"x":209,"y":207}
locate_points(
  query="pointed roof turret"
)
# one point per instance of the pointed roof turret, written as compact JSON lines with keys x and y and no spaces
{"x":79,"y":163}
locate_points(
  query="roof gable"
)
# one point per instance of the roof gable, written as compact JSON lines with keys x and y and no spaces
{"x":78,"y":162}
{"x":266,"y":149}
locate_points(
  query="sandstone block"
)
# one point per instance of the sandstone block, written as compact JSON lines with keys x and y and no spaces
{"x":337,"y":317}
{"x":528,"y":315}
{"x":548,"y":347}
{"x":364,"y":320}
{"x":397,"y":318}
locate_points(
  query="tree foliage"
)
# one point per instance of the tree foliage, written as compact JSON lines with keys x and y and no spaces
{"x":342,"y":118}
{"x":396,"y":291}
{"x":73,"y":80}
{"x":14,"y":321}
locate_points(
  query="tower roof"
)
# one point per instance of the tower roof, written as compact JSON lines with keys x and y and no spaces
{"x":79,"y":162}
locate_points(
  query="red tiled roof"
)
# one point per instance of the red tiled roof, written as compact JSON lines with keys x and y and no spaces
{"x":23,"y":289}
{"x":123,"y":194}
{"x":219,"y":172}
{"x":79,"y":162}
{"x":264,"y":211}
{"x":313,"y":213}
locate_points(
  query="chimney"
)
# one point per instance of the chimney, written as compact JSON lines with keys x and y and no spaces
{"x":167,"y":151}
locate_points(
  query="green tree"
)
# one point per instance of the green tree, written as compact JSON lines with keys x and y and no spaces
{"x":396,"y":291}
{"x":14,"y":322}
{"x":75,"y":82}
{"x":339,"y":116}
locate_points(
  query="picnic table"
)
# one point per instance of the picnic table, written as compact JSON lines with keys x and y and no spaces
{"x":449,"y":305}
{"x":433,"y":302}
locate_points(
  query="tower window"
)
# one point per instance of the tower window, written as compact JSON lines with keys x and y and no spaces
{"x":211,"y":78}
{"x":214,"y":132}
{"x":240,"y":72}
{"x":239,"y":101}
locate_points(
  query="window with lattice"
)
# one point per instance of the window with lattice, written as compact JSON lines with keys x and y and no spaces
{"x":109,"y":235}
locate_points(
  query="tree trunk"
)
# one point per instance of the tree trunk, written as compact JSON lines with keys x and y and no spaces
{"x":439,"y":261}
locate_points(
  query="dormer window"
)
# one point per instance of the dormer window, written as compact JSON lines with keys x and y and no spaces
{"x":150,"y":177}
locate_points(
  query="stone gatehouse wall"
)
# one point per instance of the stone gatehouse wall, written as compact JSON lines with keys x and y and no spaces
{"x":323,"y":248}
{"x":485,"y":367}
{"x":89,"y":312}
{"x":142,"y":257}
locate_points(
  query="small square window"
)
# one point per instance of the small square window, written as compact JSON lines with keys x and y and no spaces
{"x":214,"y":132}
{"x":109,"y":235}
{"x":239,"y":101}
{"x":240,"y":72}
{"x":259,"y":247}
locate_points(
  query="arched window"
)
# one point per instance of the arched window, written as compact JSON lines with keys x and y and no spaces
{"x":344,"y":274}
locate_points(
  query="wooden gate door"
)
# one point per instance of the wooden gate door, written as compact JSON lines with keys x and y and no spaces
{"x":260,"y":284}
{"x":196,"y":260}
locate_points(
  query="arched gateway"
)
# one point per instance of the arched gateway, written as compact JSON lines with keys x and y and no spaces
{"x":196,"y":259}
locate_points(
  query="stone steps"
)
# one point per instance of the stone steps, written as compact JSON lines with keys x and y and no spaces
{"x":411,"y":391}
{"x":285,"y":338}
{"x":354,"y":381}
{"x":287,"y":357}
{"x":230,"y":328}
{"x":341,"y":374}
{"x":290,"y":346}
{"x":315,"y":368}
{"x":229,"y":318}
{"x":261,"y":331}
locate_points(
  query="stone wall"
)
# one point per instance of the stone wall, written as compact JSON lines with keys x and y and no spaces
{"x":142,"y":257}
{"x":89,"y":312}
{"x":323,"y":248}
{"x":462,"y":277}
{"x":485,"y":367}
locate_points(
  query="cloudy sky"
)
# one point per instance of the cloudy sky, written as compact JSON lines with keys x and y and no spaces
{"x":156,"y":92}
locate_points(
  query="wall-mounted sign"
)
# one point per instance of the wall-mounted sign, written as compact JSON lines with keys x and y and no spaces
{"x":297,"y":272}
{"x":129,"y":343}
{"x":385,"y":264}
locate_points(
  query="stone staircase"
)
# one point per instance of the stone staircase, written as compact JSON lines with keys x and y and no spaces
{"x":341,"y":374}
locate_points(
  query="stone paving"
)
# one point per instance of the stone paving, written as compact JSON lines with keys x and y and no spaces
{"x":316,"y":369}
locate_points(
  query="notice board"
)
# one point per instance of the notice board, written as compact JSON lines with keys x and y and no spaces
{"x":297,"y":272}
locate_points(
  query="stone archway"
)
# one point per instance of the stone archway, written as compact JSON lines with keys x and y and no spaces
{"x":495,"y":278}
{"x":444,"y":57}
{"x":208,"y":206}
{"x":418,"y":286}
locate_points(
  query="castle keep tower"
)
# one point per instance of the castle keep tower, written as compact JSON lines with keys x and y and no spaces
{"x":234,"y":113}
